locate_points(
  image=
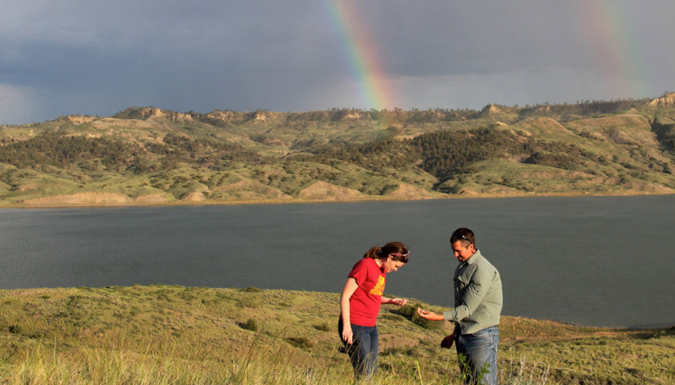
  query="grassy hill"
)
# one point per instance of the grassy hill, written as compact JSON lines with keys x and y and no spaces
{"x":184,"y":335}
{"x":153,"y":156}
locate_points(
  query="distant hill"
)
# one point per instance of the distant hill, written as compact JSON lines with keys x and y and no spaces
{"x":145,"y":155}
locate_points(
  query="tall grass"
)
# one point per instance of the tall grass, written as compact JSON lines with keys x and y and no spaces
{"x":175,"y":335}
{"x":266,"y":361}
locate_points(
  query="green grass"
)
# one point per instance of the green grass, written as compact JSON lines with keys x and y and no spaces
{"x":176,"y":335}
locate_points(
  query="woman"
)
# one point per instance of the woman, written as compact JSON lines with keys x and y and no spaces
{"x":360,"y":303}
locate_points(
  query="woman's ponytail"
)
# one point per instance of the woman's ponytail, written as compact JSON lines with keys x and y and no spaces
{"x":374,"y":253}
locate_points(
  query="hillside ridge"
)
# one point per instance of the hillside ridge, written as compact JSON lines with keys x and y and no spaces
{"x":147,"y":155}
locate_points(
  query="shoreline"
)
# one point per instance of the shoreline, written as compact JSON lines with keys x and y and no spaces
{"x":20,"y":205}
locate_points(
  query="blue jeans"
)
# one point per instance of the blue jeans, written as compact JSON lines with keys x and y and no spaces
{"x":364,"y":356}
{"x":477,"y":351}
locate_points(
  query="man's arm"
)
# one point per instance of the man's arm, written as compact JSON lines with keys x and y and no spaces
{"x":430,"y":315}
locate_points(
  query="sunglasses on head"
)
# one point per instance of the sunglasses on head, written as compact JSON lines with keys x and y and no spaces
{"x":402,"y":257}
{"x":459,"y":235}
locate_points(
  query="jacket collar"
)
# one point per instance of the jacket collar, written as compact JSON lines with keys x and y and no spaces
{"x":474,"y":258}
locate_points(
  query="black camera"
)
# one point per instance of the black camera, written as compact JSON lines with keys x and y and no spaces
{"x":346,"y":348}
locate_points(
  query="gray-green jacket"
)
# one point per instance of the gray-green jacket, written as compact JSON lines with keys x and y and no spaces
{"x":478,"y":295}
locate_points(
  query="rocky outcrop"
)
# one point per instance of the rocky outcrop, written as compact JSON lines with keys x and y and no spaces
{"x":76,"y":119}
{"x":194,"y":197}
{"x":665,"y":101}
{"x":491,"y":109}
{"x":143,"y":113}
{"x":224,"y":116}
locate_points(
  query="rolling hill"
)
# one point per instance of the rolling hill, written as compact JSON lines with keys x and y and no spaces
{"x":145,"y":155}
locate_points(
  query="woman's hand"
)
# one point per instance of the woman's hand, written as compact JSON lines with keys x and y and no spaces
{"x":399,"y":301}
{"x":394,"y":301}
{"x":430,"y":315}
{"x":347,"y":334}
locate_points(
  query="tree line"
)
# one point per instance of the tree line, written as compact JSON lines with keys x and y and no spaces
{"x":443,"y":154}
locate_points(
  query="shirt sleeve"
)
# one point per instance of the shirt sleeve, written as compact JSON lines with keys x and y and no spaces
{"x":359,"y":273}
{"x":473,"y":296}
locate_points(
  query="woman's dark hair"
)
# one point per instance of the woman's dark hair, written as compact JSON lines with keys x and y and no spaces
{"x":398,"y":251}
{"x":465,"y":235}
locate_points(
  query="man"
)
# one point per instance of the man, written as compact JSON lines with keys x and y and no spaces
{"x":478,"y":303}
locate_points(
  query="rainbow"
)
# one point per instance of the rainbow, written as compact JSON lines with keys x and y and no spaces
{"x":608,"y":23}
{"x":362,"y":56}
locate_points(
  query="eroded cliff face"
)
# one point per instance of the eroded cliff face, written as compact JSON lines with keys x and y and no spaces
{"x":665,"y":101}
{"x":227,"y":117}
{"x":143,"y":113}
{"x":76,"y":119}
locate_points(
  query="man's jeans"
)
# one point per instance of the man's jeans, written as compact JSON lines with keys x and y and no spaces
{"x":477,"y":351}
{"x":364,"y":357}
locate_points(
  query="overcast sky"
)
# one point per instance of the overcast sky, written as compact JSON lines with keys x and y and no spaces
{"x":98,"y":57}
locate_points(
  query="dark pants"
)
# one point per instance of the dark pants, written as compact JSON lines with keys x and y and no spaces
{"x":365,"y":350}
{"x":478,"y":356}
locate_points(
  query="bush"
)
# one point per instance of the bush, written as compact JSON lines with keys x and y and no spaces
{"x":425,"y":323}
{"x":300,"y":342}
{"x":250,"y":324}
{"x":410,"y":312}
{"x":251,"y":290}
{"x":322,"y":327}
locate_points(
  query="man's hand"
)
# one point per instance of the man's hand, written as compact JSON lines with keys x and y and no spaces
{"x":447,"y":341}
{"x":431,"y":316}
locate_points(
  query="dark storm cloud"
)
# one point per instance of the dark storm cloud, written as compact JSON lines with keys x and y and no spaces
{"x":76,"y":56}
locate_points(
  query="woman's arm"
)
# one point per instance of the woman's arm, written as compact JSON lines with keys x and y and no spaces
{"x":394,"y":301}
{"x":347,"y":291}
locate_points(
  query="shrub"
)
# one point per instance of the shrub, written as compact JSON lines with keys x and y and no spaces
{"x":300,"y":342}
{"x":410,"y":312}
{"x":407,"y":310}
{"x":322,"y":327}
{"x":250,"y":324}
{"x":251,"y":290}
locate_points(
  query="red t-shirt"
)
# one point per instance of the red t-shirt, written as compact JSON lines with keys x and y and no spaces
{"x":365,"y":303}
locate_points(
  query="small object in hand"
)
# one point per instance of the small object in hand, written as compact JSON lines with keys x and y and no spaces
{"x":348,"y":348}
{"x":447,"y":341}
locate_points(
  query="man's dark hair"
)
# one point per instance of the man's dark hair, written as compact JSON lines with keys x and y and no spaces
{"x":465,"y":235}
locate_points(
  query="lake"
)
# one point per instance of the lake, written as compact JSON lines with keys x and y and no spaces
{"x":595,"y":261}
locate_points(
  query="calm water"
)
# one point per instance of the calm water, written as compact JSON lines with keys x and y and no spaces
{"x":602,"y":261}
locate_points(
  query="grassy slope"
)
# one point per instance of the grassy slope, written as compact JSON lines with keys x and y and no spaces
{"x":176,"y":335}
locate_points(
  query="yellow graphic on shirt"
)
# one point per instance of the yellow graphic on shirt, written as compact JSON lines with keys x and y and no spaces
{"x":379,"y":287}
